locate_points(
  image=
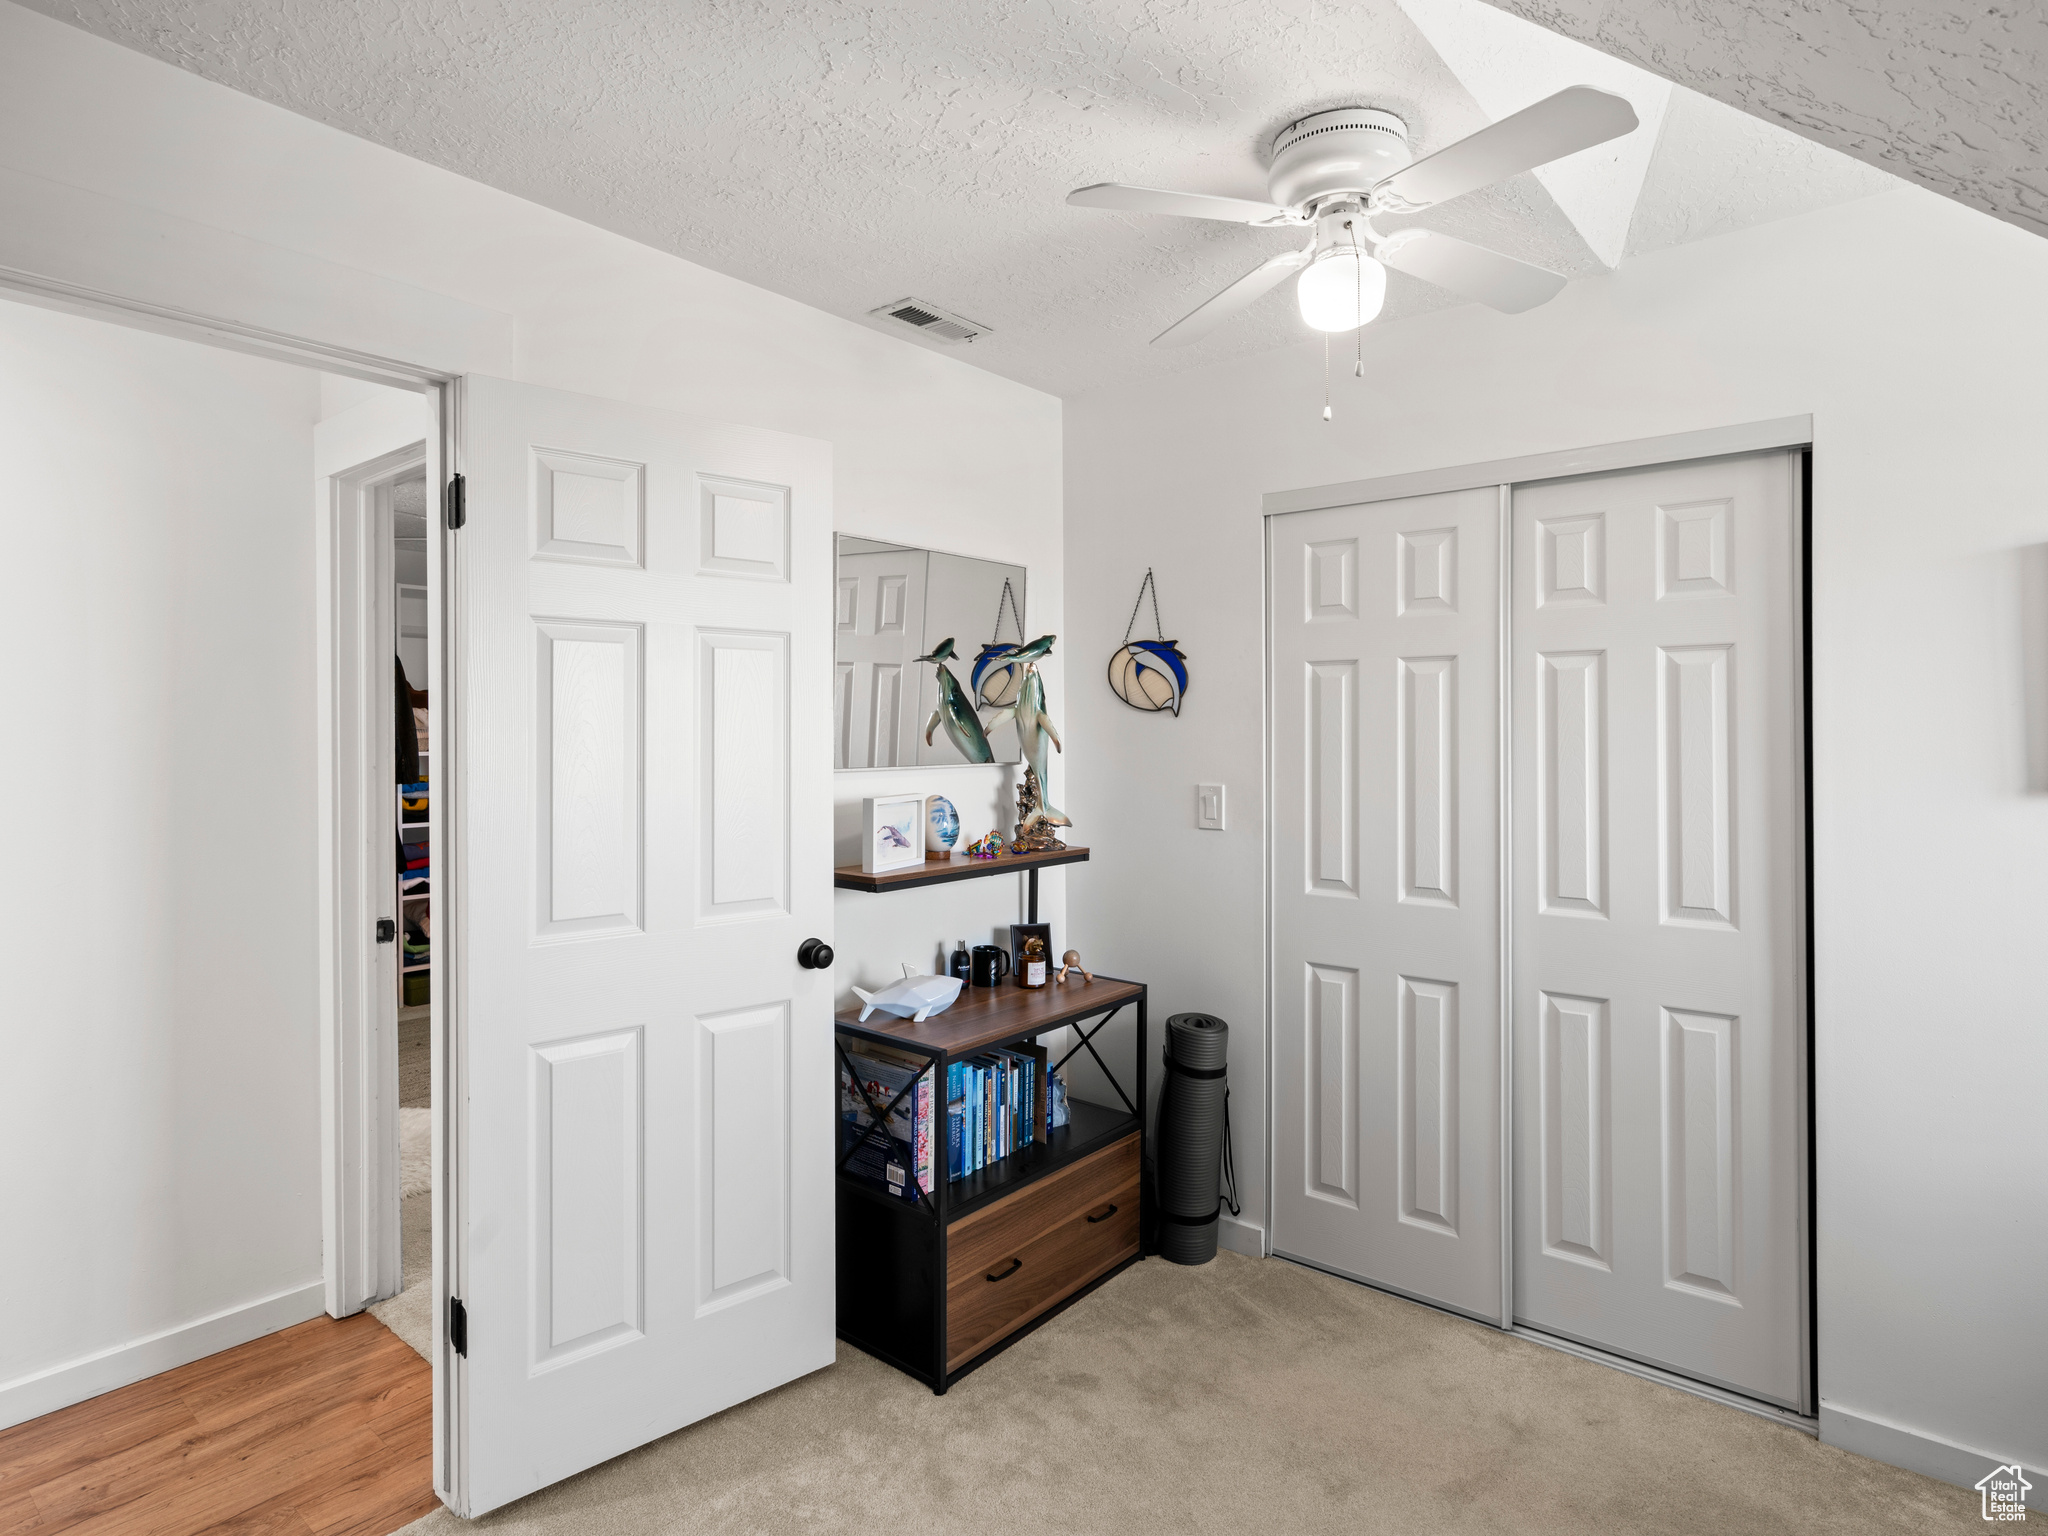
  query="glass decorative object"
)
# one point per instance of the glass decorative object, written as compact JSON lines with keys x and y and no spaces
{"x":941,"y":825}
{"x":1151,"y":675}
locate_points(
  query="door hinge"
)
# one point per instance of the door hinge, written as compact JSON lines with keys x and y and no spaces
{"x":387,"y":930}
{"x":458,"y":511}
{"x":458,"y":1327}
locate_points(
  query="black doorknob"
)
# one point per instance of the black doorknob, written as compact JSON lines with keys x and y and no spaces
{"x":814,"y":955}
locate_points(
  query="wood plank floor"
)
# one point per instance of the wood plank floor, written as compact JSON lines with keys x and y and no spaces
{"x":325,"y":1429}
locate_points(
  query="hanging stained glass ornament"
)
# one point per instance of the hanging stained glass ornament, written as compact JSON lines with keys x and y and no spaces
{"x":1151,"y":675}
{"x":997,"y":674}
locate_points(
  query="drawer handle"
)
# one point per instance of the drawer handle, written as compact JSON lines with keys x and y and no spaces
{"x":1102,"y":1215}
{"x":1015,"y":1265}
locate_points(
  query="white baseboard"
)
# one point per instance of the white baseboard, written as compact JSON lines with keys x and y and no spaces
{"x":1908,"y":1448}
{"x":30,"y":1397}
{"x":1246,"y":1237}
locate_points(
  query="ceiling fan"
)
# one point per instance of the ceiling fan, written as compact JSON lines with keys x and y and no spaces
{"x":1338,"y":171}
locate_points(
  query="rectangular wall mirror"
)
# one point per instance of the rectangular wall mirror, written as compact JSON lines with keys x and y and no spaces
{"x":895,"y":604}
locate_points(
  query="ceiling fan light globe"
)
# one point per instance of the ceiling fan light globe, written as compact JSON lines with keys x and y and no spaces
{"x":1341,"y":290}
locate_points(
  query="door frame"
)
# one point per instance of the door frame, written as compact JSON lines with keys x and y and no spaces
{"x":359,"y":1057}
{"x":444,"y":1028}
{"x":1784,"y":432}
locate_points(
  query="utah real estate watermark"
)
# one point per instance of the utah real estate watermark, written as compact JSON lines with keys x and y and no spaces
{"x":2005,"y":1492}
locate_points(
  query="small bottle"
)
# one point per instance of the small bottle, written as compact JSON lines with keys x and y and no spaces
{"x":961,"y":964}
{"x":1031,"y":969}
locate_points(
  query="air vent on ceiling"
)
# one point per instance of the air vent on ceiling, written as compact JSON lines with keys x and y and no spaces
{"x":931,"y":320}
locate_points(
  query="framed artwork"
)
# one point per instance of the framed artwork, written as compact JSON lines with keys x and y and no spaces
{"x":892,"y":833}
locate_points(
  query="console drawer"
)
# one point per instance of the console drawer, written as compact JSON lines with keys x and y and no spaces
{"x":1010,"y":1261}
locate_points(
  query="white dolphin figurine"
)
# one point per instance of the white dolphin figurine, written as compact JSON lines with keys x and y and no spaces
{"x":916,"y":997}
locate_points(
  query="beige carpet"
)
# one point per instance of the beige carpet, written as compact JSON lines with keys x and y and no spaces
{"x":410,"y":1314}
{"x":1243,"y":1396}
{"x":415,"y":1151}
{"x":415,"y":1059}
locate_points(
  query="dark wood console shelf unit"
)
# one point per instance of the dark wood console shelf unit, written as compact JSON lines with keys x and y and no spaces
{"x":937,"y":1285}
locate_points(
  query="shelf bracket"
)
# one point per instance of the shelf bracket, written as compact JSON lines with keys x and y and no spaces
{"x":1088,"y":1039}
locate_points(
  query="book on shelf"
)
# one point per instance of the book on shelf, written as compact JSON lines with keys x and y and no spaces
{"x":898,"y":1156}
{"x":997,"y":1104}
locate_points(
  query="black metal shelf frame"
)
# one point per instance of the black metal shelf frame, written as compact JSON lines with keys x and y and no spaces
{"x":935,"y":1210}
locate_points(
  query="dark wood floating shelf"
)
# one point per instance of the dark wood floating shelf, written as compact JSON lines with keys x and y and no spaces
{"x":939,"y":868}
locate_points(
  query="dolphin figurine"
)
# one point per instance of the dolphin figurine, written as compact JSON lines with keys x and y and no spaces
{"x":999,"y":670}
{"x":963,"y":726}
{"x":1034,"y":729}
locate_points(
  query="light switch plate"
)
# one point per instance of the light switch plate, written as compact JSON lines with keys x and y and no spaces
{"x":1209,"y":807}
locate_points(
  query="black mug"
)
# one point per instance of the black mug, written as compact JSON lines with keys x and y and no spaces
{"x":991,"y":965}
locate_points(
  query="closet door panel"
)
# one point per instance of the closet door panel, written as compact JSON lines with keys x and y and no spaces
{"x":1658,"y":919}
{"x":1385,"y":657}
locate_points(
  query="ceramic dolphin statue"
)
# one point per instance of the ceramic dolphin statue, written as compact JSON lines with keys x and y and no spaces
{"x":1034,"y":729}
{"x":955,"y":712}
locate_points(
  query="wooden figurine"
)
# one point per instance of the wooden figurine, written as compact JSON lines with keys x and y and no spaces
{"x":1071,"y":961}
{"x":1034,"y":832}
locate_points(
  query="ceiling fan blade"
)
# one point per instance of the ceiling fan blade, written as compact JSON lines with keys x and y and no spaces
{"x":1574,"y":119}
{"x":1506,"y":284}
{"x":1242,"y":294}
{"x":1187,"y":205}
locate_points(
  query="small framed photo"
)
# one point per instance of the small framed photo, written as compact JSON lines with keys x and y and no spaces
{"x":892,"y":828}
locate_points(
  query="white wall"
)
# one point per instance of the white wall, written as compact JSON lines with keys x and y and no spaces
{"x":159,"y":1114}
{"x":1913,"y":331}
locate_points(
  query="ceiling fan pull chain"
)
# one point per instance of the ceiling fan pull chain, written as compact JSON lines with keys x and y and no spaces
{"x":1358,"y":281}
{"x":1326,"y":375}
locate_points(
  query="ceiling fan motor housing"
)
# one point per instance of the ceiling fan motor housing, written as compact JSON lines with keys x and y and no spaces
{"x":1349,"y":149}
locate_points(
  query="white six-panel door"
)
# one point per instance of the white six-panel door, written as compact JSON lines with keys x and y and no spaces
{"x":641,"y":838}
{"x":1658,"y":919}
{"x":1386,"y":894}
{"x":878,"y":633}
{"x":1655,"y":913}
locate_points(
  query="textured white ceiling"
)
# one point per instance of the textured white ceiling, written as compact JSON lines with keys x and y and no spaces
{"x":1952,"y":94}
{"x":849,"y":154}
{"x":1504,"y":65}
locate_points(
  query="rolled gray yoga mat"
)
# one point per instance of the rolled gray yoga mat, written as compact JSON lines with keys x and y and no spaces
{"x":1190,"y":1136}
